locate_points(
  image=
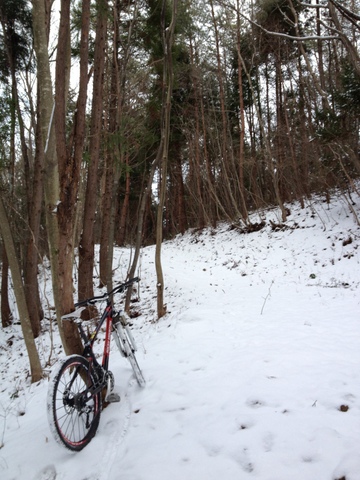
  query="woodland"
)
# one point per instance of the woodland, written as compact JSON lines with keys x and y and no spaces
{"x":128,"y":122}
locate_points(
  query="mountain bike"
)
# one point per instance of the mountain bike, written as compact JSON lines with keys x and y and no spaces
{"x":81,"y":384}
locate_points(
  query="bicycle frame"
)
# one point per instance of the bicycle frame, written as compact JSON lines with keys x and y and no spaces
{"x":88,"y":353}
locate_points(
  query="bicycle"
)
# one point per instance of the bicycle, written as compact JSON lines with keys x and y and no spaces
{"x":81,"y":384}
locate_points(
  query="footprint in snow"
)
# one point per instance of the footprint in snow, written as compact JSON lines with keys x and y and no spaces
{"x":268,"y":442}
{"x":242,"y":459}
{"x":47,"y":473}
{"x":254,"y":403}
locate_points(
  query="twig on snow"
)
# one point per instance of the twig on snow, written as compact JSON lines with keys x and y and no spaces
{"x":267,"y":296}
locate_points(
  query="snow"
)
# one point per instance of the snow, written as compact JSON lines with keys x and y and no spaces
{"x":252,"y":374}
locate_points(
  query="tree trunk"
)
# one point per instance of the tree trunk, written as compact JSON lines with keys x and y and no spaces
{"x":86,"y":247}
{"x":33,"y":195}
{"x":168,"y":40}
{"x":69,"y":156}
{"x":107,"y":208}
{"x":244,"y":211}
{"x":179,"y":194}
{"x":35,"y":365}
{"x":32,"y":255}
{"x":353,"y":54}
{"x":125,"y":205}
{"x":109,"y":197}
{"x":140,"y":224}
{"x":199,"y":187}
{"x":6,"y":315}
{"x":225,"y":151}
{"x":46,"y":142}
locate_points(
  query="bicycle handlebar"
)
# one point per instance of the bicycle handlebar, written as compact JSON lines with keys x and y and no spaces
{"x":118,"y":289}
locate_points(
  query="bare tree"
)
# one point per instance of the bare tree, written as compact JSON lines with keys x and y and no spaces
{"x":168,"y":40}
{"x":86,"y":247}
{"x":46,"y":138}
{"x":69,"y":155}
{"x":63,"y":155}
{"x":35,"y":365}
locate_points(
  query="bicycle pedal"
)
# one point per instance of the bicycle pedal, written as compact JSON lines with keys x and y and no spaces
{"x":112,"y":398}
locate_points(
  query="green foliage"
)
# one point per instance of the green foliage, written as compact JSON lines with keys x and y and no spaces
{"x":153,"y":43}
{"x":328,"y":125}
{"x":15,"y":36}
{"x":348,"y":98}
{"x":277,"y":15}
{"x":152,"y":30}
{"x":339,"y":121}
{"x":249,"y":70}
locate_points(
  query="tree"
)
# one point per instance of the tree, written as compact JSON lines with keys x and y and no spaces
{"x":168,"y":40}
{"x":6,"y":139}
{"x":63,"y":154}
{"x":16,"y":25}
{"x":86,"y":247}
{"x":69,"y":151}
{"x":35,"y":365}
{"x":45,"y":141}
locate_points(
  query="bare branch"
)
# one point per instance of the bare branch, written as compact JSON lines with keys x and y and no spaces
{"x":285,"y":35}
{"x":291,"y":37}
{"x":310,"y":5}
{"x":345,"y":11}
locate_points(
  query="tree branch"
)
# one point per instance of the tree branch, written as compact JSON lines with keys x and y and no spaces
{"x":345,"y":11}
{"x":292,"y":37}
{"x":285,"y":35}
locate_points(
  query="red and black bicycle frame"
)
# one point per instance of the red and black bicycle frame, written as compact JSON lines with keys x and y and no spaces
{"x":107,"y":317}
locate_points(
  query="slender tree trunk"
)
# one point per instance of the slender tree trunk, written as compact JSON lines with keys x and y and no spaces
{"x":35,"y":365}
{"x":244,"y":211}
{"x":108,"y":200}
{"x":168,"y":79}
{"x":267,"y":146}
{"x":47,"y":143}
{"x":109,"y":197}
{"x":86,"y":247}
{"x":6,"y":315}
{"x":177,"y":212}
{"x":216,"y":203}
{"x":125,"y":205}
{"x":33,"y":195}
{"x":199,"y":189}
{"x":353,"y":54}
{"x":226,"y":155}
{"x":140,"y":225}
{"x":116,"y":104}
{"x":32,"y":255}
{"x":69,"y":154}
{"x":320,"y":51}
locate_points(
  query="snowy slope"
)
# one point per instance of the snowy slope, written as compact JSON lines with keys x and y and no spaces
{"x":254,"y":373}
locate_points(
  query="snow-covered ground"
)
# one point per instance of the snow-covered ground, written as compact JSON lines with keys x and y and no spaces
{"x":254,"y":373}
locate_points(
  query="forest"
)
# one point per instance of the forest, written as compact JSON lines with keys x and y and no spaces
{"x":128,"y":122}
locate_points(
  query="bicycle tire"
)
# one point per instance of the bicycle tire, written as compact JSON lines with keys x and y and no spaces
{"x":127,"y":350}
{"x":73,"y":419}
{"x":137,"y":370}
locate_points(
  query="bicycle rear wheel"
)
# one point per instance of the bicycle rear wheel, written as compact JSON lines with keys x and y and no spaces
{"x":73,"y":411}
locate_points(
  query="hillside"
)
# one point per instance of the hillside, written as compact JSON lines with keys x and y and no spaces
{"x":252,"y":374}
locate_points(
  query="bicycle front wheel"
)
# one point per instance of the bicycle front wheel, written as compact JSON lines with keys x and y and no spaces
{"x":126,"y":346}
{"x":73,"y":410}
